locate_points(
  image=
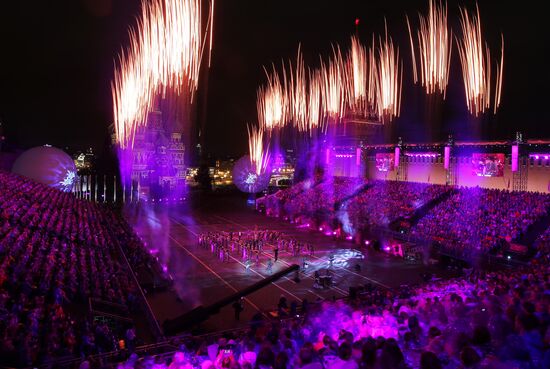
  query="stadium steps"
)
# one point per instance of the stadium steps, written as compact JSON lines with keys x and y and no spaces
{"x":424,"y":209}
{"x":360,"y":190}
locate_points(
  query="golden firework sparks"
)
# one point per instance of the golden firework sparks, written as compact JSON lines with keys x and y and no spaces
{"x":315,"y":101}
{"x":475,"y":59}
{"x":272,"y":101}
{"x":434,"y":49}
{"x":389,"y":78}
{"x":360,"y":80}
{"x":333,"y":87}
{"x":165,"y":52}
{"x":298,"y":94}
{"x":259,"y":153}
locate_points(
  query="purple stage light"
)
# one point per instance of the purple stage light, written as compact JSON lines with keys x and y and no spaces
{"x":423,"y":154}
{"x":447,"y":157}
{"x":515,"y":158}
{"x":540,"y":156}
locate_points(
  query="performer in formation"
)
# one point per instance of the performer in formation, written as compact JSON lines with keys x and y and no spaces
{"x":250,"y":245}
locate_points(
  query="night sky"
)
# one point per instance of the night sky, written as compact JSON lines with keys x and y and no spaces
{"x":57,"y":63}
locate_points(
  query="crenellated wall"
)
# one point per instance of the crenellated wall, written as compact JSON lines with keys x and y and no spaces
{"x":431,"y":170}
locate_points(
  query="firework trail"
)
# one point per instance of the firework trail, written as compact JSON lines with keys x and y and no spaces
{"x":434,"y":40}
{"x":259,"y":153}
{"x":165,"y":53}
{"x":500,"y":68}
{"x":315,"y":102}
{"x":360,"y":82}
{"x":364,"y":82}
{"x":273,"y":101}
{"x":334,"y":86}
{"x":298,"y":94}
{"x":389,"y":79}
{"x":475,"y":59}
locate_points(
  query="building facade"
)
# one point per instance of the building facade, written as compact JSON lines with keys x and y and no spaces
{"x":158,"y":167}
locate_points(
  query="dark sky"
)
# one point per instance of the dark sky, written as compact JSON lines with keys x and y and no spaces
{"x":57,"y":57}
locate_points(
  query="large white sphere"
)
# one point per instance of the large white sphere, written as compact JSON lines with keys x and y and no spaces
{"x":48,"y":165}
{"x":245,"y":178}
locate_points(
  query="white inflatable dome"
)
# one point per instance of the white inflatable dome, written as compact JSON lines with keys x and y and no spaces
{"x":48,"y":165}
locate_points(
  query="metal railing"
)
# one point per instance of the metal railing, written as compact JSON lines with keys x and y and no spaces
{"x":146,"y":308}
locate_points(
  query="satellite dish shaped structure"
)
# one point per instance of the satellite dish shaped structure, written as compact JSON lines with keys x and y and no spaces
{"x":47,"y":165}
{"x":246,"y":179}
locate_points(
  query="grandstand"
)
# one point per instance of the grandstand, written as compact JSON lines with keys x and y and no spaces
{"x":464,"y":221}
{"x":66,"y":286}
{"x":69,"y":293}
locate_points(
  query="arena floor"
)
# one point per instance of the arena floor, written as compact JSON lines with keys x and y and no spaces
{"x":202,"y":279}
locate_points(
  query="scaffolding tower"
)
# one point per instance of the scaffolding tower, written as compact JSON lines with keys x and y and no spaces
{"x":520,"y":176}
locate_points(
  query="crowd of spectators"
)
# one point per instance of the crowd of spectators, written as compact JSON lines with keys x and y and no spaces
{"x":387,"y":201}
{"x":274,"y":204}
{"x":56,"y":253}
{"x":493,"y":320}
{"x":542,"y":243}
{"x":310,"y":200}
{"x":468,"y":219}
{"x":373,"y":203}
{"x":477,"y":218}
{"x":319,"y":202}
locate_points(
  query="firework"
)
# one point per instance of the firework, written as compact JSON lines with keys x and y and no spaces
{"x":360,"y":82}
{"x":475,"y":59}
{"x":211,"y":21}
{"x":500,"y":67}
{"x":298,"y":95}
{"x":434,"y":49}
{"x":364,"y":83}
{"x":165,"y":53}
{"x":315,"y":101}
{"x":272,"y":101}
{"x":389,"y":78}
{"x":333,"y":87}
{"x":259,"y":153}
